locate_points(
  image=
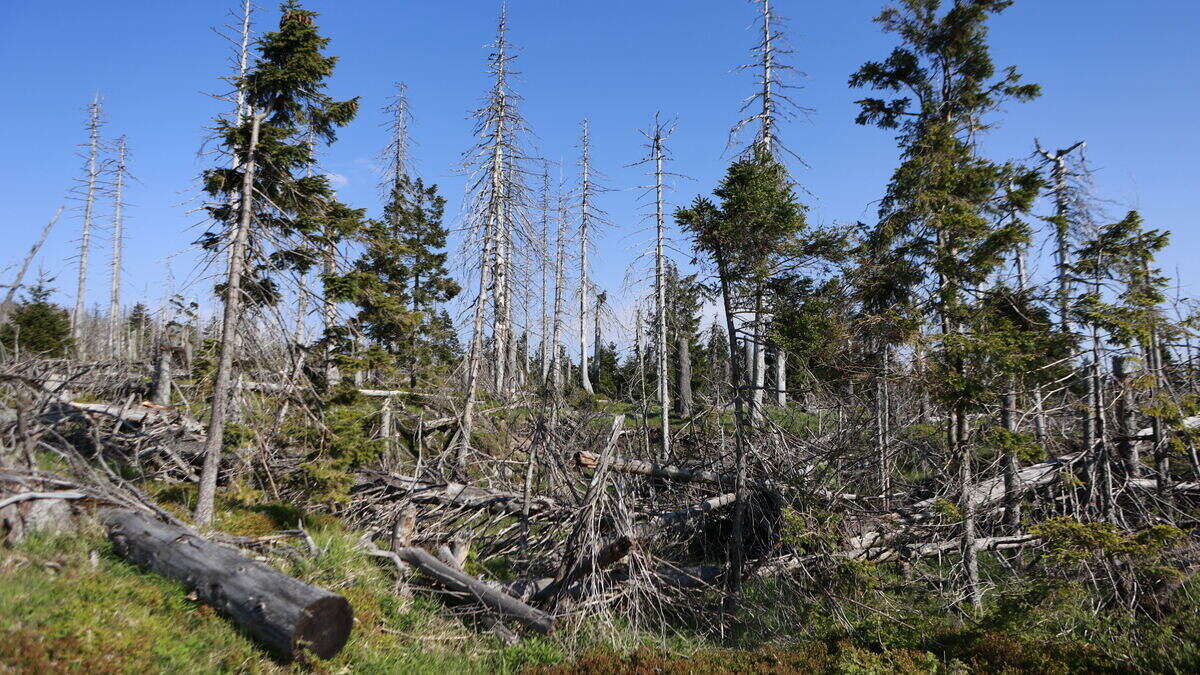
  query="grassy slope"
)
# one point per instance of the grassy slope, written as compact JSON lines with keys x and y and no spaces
{"x":68,"y":604}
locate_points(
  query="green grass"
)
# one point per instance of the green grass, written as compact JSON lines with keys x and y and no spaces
{"x":67,"y":604}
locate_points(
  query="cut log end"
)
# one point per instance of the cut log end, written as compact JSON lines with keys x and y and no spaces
{"x":324,"y":627}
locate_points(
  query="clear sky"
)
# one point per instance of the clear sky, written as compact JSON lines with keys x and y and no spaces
{"x":1121,"y":75}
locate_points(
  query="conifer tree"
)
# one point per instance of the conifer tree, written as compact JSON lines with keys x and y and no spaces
{"x":267,"y":192}
{"x":37,"y":326}
{"x":1121,"y":255}
{"x":758,"y":222}
{"x":938,"y":213}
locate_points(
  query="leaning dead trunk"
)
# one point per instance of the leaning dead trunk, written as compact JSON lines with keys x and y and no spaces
{"x":229,"y":330}
{"x":284,"y":613}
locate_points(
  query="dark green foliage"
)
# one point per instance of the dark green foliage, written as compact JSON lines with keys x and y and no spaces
{"x":400,"y":281}
{"x":610,"y":377}
{"x":758,"y":222}
{"x":1122,"y":255}
{"x":345,"y":440}
{"x":37,"y":326}
{"x":949,"y":217}
{"x":287,"y":85}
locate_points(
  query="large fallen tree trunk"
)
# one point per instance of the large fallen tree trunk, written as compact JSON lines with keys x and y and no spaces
{"x":1152,"y":484}
{"x":469,"y":587}
{"x":981,"y":496}
{"x":588,"y":460}
{"x":284,"y":613}
{"x":421,"y":491}
{"x":1147,"y":434}
{"x":140,"y":414}
{"x":790,"y":563}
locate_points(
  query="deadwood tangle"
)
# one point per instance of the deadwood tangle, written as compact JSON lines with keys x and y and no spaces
{"x":892,"y":433}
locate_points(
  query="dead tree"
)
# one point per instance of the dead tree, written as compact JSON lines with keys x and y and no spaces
{"x":1061,"y":190}
{"x":222,"y":383}
{"x":560,"y":257}
{"x":589,"y":217}
{"x":90,"y":179}
{"x":114,"y":298}
{"x":497,"y":188}
{"x":545,"y":350}
{"x":6,"y":305}
{"x":660,"y":293}
{"x":656,"y":157}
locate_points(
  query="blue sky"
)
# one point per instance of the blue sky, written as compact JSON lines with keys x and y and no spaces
{"x":1120,"y":75}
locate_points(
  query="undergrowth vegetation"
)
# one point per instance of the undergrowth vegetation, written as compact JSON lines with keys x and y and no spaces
{"x":68,"y":604}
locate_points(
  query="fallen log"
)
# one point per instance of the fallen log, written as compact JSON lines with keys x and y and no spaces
{"x":453,"y":494}
{"x":467,"y":586}
{"x":981,"y":496}
{"x":1147,"y":434}
{"x":1152,"y":484}
{"x":588,"y":460}
{"x":284,"y":613}
{"x":793,"y":562}
{"x":141,"y":414}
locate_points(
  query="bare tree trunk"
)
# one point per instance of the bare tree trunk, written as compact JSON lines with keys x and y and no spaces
{"x":85,"y":237}
{"x":683,"y":385}
{"x":584,"y":222}
{"x":1127,"y":421}
{"x":760,"y":363}
{"x":1103,"y":461}
{"x":114,"y":298}
{"x":1012,"y":502}
{"x":333,"y":376}
{"x":660,"y":299}
{"x":881,"y":426}
{"x":600,"y":298}
{"x":17,"y":281}
{"x":958,"y":421}
{"x":1162,"y":466}
{"x":545,"y":263}
{"x":475,"y":353}
{"x":1059,"y":187}
{"x":229,"y":330}
{"x":560,"y":255}
{"x":161,"y":392}
{"x":781,"y":389}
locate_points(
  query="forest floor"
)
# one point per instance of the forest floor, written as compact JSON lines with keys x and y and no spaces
{"x":68,"y":604}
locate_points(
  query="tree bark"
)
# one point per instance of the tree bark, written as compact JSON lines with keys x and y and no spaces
{"x":781,"y":390}
{"x":161,"y":391}
{"x":1126,"y":421}
{"x":286,"y":614}
{"x":85,"y":237}
{"x":229,"y":330}
{"x":683,"y":388}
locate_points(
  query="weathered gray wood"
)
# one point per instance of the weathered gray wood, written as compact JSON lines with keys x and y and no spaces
{"x":463,"y":584}
{"x":160,"y":393}
{"x":282,"y":612}
{"x":454,"y":494}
